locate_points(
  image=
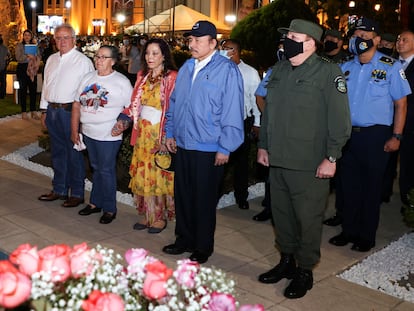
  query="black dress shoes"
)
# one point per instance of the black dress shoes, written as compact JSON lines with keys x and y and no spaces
{"x":263,"y":215}
{"x":362,"y":246}
{"x":73,"y":202}
{"x":200,"y":257}
{"x":340,"y":240}
{"x":301,"y":283}
{"x":174,"y":249}
{"x":107,"y":218}
{"x":285,"y":269}
{"x":244,"y":205}
{"x":89,"y":209}
{"x":52,"y":196}
{"x":333,"y":221}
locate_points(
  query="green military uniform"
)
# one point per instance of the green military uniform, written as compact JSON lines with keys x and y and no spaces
{"x":339,"y":58}
{"x":306,"y":119}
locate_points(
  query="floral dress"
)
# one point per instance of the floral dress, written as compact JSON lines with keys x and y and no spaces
{"x":153,"y":187}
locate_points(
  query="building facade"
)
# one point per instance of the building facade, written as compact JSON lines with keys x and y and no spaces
{"x":105,"y":17}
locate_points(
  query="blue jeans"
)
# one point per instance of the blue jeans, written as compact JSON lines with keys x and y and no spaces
{"x":68,"y":164}
{"x":102,"y":158}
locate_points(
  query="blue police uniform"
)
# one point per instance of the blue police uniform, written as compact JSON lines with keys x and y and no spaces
{"x":372,"y":89}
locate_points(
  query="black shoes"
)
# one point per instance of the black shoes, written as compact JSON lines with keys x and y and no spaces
{"x":72,"y":202}
{"x":174,"y":249}
{"x":52,"y":196}
{"x":139,"y":226}
{"x":107,"y":218}
{"x":243,"y":205}
{"x":155,"y":230}
{"x":200,"y":257}
{"x":88,"y":210}
{"x":341,"y":239}
{"x":263,"y":215}
{"x":333,"y":221}
{"x":285,"y":269}
{"x":301,"y":283}
{"x":362,"y":246}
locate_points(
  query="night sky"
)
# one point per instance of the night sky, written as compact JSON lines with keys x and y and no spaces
{"x":28,"y":10}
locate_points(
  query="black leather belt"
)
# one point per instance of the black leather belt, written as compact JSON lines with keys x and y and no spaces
{"x":358,"y":129}
{"x":60,"y":105}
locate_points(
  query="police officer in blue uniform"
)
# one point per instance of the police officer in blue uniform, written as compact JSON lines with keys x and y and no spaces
{"x":377,"y":90}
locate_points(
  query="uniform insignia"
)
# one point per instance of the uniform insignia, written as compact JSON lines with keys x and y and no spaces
{"x":387,"y":60}
{"x":340,"y":84}
{"x":379,"y":74}
{"x":402,"y":74}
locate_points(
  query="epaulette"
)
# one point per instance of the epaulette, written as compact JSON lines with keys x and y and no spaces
{"x":326,"y":59}
{"x":387,"y":60}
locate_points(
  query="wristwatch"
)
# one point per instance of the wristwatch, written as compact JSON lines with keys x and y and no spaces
{"x":398,"y":136}
{"x":331,"y":159}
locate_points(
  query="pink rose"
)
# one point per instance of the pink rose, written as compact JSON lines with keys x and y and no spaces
{"x":54,"y":259}
{"x":222,"y":302}
{"x":26,"y":258}
{"x":80,"y":260}
{"x":135,"y":255}
{"x":252,"y":308}
{"x":15,"y":286}
{"x":157,"y":276}
{"x":186,"y":272}
{"x":98,"y":301}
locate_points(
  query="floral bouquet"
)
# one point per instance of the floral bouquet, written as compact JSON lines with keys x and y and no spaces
{"x":59,"y":277}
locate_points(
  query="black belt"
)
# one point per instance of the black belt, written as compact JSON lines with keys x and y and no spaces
{"x":60,"y":105}
{"x":358,"y":129}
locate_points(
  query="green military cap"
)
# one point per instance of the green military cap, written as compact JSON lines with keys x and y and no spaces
{"x":389,"y":37}
{"x":334,"y":33}
{"x":305,"y":27}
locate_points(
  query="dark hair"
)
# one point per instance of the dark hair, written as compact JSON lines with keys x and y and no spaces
{"x":31,"y":33}
{"x":165,"y":51}
{"x":114,"y":51}
{"x":237,"y":44}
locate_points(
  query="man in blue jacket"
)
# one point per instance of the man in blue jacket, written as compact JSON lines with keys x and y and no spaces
{"x":204,"y":124}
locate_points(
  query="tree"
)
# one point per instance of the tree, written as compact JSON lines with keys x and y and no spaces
{"x":258,"y":31}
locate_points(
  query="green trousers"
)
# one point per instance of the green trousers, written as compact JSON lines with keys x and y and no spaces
{"x":298,"y":205}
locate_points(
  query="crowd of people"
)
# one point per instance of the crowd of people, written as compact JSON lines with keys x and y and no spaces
{"x":324,"y":118}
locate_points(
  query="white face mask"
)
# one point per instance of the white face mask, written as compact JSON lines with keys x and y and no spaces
{"x":224,"y":53}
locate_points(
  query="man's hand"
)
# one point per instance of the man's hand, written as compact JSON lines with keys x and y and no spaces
{"x":392,"y":145}
{"x":171,"y":145}
{"x":263,"y":157}
{"x":326,"y":169}
{"x":221,"y":159}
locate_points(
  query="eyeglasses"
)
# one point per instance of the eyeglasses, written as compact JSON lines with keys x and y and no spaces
{"x":63,"y":38}
{"x":226,"y":48}
{"x":99,"y":57}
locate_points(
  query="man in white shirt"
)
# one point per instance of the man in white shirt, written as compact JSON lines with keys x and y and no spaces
{"x":62,"y":74}
{"x":231,"y":49}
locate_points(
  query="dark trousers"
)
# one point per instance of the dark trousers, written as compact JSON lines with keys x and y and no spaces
{"x":2,"y":83}
{"x":362,"y":173}
{"x":240,"y":158}
{"x":389,"y":176}
{"x":26,"y":83}
{"x":406,"y":165}
{"x":298,"y":213}
{"x":196,"y":193}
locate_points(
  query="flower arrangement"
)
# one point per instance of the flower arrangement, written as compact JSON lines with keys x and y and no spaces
{"x":60,"y":277}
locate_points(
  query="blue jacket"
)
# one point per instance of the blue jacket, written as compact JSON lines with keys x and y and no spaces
{"x":207,"y":114}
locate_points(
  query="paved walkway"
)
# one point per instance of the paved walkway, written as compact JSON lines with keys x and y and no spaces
{"x":244,"y":248}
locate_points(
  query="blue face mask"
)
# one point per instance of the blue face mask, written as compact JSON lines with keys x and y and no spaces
{"x":224,"y":53}
{"x":358,"y":46}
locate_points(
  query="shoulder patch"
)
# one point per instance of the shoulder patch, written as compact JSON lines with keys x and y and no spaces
{"x":402,"y":74}
{"x":387,"y":60}
{"x":340,"y":84}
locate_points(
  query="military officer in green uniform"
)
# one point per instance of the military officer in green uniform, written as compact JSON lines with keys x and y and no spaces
{"x":306,"y":123}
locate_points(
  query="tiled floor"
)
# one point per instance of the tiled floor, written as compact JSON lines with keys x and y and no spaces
{"x":244,"y":248}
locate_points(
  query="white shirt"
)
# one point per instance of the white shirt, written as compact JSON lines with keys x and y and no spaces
{"x":251,"y":81}
{"x":62,"y":76}
{"x":102,"y":99}
{"x":201,"y":64}
{"x":407,"y":61}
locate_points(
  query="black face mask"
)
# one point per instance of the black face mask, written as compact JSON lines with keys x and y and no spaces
{"x":292,"y":48}
{"x":329,"y":46}
{"x":386,"y":51}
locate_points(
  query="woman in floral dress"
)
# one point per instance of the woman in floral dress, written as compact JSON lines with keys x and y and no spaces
{"x":153,"y":187}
